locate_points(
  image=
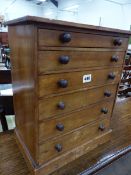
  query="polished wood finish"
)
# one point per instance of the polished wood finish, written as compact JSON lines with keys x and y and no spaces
{"x":12,"y":161}
{"x":120,"y":139}
{"x":75,"y":80}
{"x":71,"y":140}
{"x":48,"y":107}
{"x":24,"y":90}
{"x":77,"y":59}
{"x":33,"y":86}
{"x":80,"y":117}
{"x":52,"y":38}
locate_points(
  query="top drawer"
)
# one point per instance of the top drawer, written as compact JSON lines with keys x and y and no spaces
{"x":71,"y":39}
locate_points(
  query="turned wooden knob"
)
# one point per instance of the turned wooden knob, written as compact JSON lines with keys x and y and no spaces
{"x":104,"y":110}
{"x":114,"y":58}
{"x":58,"y":147}
{"x":107,"y":93}
{"x":60,"y":127}
{"x":111,"y":76}
{"x":63,"y":83}
{"x":65,"y":37}
{"x":64,"y":59}
{"x":102,"y":127}
{"x":61,"y":105}
{"x":117,"y":42}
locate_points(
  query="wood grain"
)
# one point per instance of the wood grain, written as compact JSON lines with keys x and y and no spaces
{"x":23,"y":74}
{"x":48,"y":107}
{"x":75,"y":119}
{"x":78,"y":59}
{"x":52,"y":38}
{"x":120,"y":138}
{"x":48,"y":84}
{"x":69,"y":141}
{"x":33,"y":85}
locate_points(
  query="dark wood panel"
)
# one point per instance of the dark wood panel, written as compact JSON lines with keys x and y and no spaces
{"x":65,"y":60}
{"x":48,"y":84}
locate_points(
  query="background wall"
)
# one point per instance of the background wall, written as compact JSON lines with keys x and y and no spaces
{"x":108,"y":13}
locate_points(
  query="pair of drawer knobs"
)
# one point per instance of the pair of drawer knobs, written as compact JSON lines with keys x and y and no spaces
{"x":66,"y":38}
{"x":60,"y":126}
{"x":59,"y":148}
{"x":64,"y":83}
{"x":61,"y":104}
{"x":65,"y":59}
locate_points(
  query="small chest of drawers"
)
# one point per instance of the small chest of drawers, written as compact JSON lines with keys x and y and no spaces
{"x":65,"y":80}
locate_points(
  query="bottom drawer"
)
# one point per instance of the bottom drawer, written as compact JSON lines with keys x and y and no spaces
{"x":57,"y":146}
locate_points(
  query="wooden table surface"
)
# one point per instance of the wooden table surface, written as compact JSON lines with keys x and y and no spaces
{"x":12,"y":162}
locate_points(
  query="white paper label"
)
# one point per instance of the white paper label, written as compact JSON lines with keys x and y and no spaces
{"x":87,"y":78}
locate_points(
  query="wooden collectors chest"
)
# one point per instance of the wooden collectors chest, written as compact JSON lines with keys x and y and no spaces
{"x":65,"y":80}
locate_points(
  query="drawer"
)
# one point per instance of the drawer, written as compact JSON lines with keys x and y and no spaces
{"x":69,"y":122}
{"x":64,"y":60}
{"x":57,"y":146}
{"x":58,"y":83}
{"x":64,"y":103}
{"x":72,"y":39}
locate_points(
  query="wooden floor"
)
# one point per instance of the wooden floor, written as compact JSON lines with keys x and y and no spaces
{"x":12,"y":162}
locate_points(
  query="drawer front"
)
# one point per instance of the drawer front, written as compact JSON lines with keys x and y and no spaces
{"x":57,"y":83}
{"x":71,"y":39}
{"x":57,"y":146}
{"x":65,"y":60}
{"x":68,"y":122}
{"x":64,"y":103}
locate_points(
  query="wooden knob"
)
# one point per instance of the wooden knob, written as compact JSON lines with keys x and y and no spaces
{"x":64,"y":59}
{"x":111,"y":76}
{"x":61,"y":105}
{"x":107,"y":93}
{"x":117,"y":42}
{"x":60,"y":127}
{"x":104,"y":110}
{"x":63,"y":83}
{"x":102,"y":127}
{"x":58,"y":147}
{"x":114,"y":58}
{"x":65,"y":37}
